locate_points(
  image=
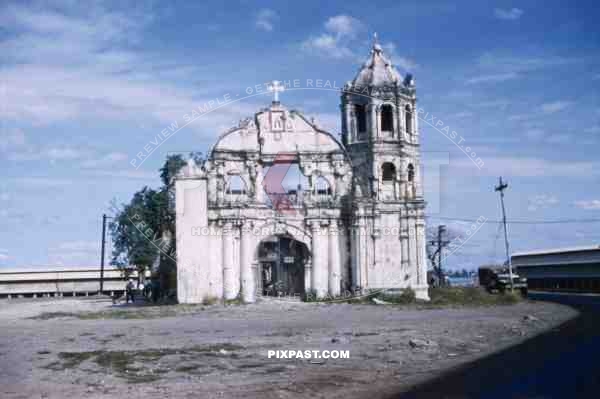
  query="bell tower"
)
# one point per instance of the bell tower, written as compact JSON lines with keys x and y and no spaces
{"x":380,"y":132}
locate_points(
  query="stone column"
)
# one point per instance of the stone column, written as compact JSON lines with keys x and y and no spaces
{"x":246,"y":274}
{"x":372,"y":115}
{"x":334,"y":260}
{"x":412,"y":251}
{"x":415,"y":126}
{"x":320,"y":270}
{"x":421,"y":254}
{"x":418,"y":183}
{"x":395,"y":124}
{"x":259,"y":193}
{"x":404,"y":241}
{"x":228,"y":266}
{"x":307,"y":276}
{"x":347,"y":122}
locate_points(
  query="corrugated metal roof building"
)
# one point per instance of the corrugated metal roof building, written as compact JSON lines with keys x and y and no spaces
{"x":575,"y":269}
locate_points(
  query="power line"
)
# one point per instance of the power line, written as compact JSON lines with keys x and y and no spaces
{"x":556,"y":221}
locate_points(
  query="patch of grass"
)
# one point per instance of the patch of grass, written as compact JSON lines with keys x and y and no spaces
{"x":275,"y":369}
{"x":235,"y":301}
{"x":135,"y":366}
{"x":407,"y":296}
{"x":52,"y":315}
{"x":210,"y":300}
{"x":443,"y":297}
{"x":188,"y":369}
{"x":470,"y":296}
{"x":284,"y":333}
{"x":74,"y":359}
{"x":363,"y":334}
{"x":250,"y":365}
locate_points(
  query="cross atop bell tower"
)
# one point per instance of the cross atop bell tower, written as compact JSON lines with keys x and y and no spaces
{"x":379,"y":128}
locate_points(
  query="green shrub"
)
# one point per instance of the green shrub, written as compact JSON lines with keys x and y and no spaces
{"x":210,"y":300}
{"x":407,"y":296}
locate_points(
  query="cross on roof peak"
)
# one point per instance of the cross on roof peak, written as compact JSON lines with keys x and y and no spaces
{"x":276,"y":87}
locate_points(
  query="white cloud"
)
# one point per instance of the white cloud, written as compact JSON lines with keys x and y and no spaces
{"x":326,"y":45}
{"x":335,"y":42}
{"x":542,"y":201}
{"x":588,"y":205}
{"x":73,"y":253}
{"x":65,"y":64}
{"x":109,"y":159}
{"x":265,"y":19}
{"x":511,"y":14}
{"x":503,"y":63}
{"x":51,"y":154}
{"x":128,"y":173}
{"x":493,"y":78}
{"x":343,"y":25}
{"x":495,"y":166}
{"x":403,"y":62}
{"x":553,"y":107}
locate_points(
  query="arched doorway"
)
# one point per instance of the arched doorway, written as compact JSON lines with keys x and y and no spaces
{"x":282,"y":260}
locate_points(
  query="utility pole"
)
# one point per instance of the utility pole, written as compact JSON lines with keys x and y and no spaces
{"x":104,"y":217}
{"x":441,"y":244}
{"x":500,"y":188}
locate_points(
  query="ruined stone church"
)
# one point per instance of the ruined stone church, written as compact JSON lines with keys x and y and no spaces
{"x":353,"y":223}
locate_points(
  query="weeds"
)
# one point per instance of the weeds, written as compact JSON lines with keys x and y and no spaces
{"x":136,"y":366}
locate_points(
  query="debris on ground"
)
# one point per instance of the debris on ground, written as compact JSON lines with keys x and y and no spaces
{"x":380,"y":302}
{"x":530,"y":318}
{"x":417,"y":343}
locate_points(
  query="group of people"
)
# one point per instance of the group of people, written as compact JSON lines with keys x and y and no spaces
{"x":151,"y":290}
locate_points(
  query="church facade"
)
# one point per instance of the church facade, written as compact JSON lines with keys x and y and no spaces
{"x":354,"y":222}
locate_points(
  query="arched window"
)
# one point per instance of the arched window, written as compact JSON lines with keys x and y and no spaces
{"x":387,"y":118}
{"x":361,"y":117}
{"x":408,"y":119}
{"x":411,"y":173}
{"x":236,"y":188}
{"x":322,"y":188}
{"x":388,"y":171}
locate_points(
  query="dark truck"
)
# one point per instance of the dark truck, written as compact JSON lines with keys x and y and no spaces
{"x":498,"y":280}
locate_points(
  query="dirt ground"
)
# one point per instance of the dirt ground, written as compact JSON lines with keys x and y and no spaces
{"x":57,"y":348}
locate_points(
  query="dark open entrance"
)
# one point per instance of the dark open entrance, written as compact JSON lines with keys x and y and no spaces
{"x":282,"y":262}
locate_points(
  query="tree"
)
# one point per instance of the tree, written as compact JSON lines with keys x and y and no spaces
{"x":144,"y":230}
{"x":133,"y":231}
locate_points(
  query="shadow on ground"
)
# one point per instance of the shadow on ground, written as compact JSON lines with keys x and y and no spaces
{"x":561,"y":363}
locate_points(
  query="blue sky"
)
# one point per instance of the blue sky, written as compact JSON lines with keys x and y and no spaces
{"x":86,"y":86}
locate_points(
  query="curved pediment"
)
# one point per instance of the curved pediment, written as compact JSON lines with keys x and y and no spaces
{"x":275,"y":130}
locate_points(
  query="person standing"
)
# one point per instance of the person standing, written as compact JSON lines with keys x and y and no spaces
{"x":129,"y":291}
